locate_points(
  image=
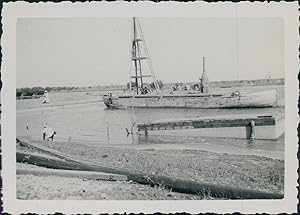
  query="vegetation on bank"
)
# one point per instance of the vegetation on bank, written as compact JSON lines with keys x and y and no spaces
{"x":241,"y":171}
{"x":27,"y":91}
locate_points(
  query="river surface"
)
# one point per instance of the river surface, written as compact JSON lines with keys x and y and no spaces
{"x":82,"y":117}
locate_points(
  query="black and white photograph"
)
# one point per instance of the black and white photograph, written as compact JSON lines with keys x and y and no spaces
{"x":129,"y":106}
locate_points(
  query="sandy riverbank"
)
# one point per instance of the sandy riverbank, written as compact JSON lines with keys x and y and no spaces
{"x":31,"y":187}
{"x":242,"y":171}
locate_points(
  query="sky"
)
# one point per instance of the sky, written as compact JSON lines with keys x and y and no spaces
{"x":96,"y":51}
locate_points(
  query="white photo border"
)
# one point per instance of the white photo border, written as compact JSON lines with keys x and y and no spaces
{"x":288,"y":11}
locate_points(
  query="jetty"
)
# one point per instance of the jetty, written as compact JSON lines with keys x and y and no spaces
{"x":247,"y":126}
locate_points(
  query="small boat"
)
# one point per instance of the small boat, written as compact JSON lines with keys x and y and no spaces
{"x":200,"y":98}
{"x":116,"y":107}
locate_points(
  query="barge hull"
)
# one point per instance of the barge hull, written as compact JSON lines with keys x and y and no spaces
{"x":257,"y":99}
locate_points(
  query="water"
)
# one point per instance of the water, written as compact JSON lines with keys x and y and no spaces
{"x":81,"y":117}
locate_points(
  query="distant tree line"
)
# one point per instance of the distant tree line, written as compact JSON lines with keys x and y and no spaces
{"x":30,"y":91}
{"x":27,"y":91}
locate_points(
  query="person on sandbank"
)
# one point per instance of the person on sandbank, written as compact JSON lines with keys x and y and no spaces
{"x":48,"y":133}
{"x":46,"y":100}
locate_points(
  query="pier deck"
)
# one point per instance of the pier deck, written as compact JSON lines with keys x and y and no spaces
{"x":235,"y":126}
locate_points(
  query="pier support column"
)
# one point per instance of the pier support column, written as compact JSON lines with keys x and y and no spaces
{"x":250,"y":130}
{"x":252,"y":133}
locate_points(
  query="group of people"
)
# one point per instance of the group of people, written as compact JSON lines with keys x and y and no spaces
{"x":145,"y":90}
{"x":202,"y":87}
{"x":179,"y":87}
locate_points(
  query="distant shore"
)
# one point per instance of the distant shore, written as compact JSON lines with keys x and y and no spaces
{"x":225,"y":84}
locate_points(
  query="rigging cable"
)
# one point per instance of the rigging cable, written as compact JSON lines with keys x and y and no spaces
{"x":148,"y":57}
{"x":237,"y":41}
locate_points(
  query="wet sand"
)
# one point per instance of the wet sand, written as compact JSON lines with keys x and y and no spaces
{"x":263,"y":148}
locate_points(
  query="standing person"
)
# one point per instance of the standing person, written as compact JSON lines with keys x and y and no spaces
{"x":44,"y":131}
{"x":48,"y":133}
{"x":46,"y":100}
{"x":200,"y":85}
{"x":188,"y":87}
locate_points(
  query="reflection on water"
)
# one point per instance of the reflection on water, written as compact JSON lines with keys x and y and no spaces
{"x":85,"y":120}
